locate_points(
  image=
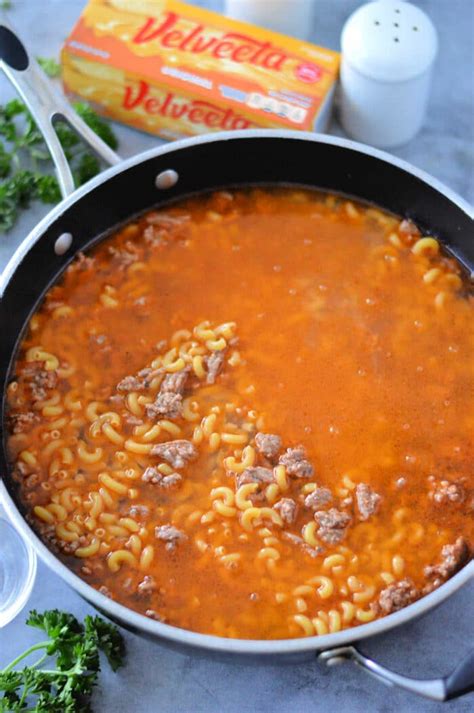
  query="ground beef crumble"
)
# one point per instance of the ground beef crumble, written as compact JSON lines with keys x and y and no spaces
{"x":21,"y":422}
{"x":22,"y":469}
{"x":130,"y":383}
{"x":287,"y":509}
{"x":147,"y":585}
{"x":161,"y":227}
{"x":169,"y":401}
{"x":39,"y":379}
{"x":171,"y":535}
{"x":214,"y":363}
{"x":297,"y":540}
{"x":268,"y":444}
{"x":152,"y":475}
{"x":318,"y":498}
{"x":31,"y":481}
{"x":139,"y":382}
{"x":131,"y":420}
{"x":166,"y":220}
{"x":295,"y":462}
{"x":140,"y":512}
{"x":177,"y":453}
{"x":397,"y":596}
{"x":332,"y":525}
{"x":125,"y":257}
{"x":154,"y":235}
{"x":166,"y":405}
{"x":106,"y":591}
{"x":453,"y":558}
{"x":368,"y":501}
{"x":407,"y":227}
{"x":446,"y":492}
{"x":222,"y":201}
{"x":82,"y":262}
{"x":257,"y":474}
{"x":152,"y":614}
{"x":175,"y":383}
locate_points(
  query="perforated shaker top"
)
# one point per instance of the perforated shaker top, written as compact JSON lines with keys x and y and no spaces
{"x":389,"y":40}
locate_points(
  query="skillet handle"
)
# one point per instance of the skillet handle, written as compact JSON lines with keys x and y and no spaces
{"x":46,"y":104}
{"x":459,"y":682}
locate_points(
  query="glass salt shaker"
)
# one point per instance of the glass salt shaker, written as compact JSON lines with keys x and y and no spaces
{"x":388,"y":51}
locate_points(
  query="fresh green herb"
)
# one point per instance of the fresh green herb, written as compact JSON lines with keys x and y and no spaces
{"x":50,"y":66}
{"x":25,"y":163}
{"x":15,"y":193}
{"x":97,"y":124}
{"x":47,"y":189}
{"x":65,"y":687}
{"x":88,"y":167}
{"x":5,"y":4}
{"x":5,"y":161}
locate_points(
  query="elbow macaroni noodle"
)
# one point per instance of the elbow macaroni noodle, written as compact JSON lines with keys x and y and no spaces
{"x":232,"y":564}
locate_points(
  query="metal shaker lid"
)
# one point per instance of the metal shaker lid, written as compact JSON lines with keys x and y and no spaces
{"x":389,"y":40}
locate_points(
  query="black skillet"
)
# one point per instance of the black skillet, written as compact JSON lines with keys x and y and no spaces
{"x":155,"y":178}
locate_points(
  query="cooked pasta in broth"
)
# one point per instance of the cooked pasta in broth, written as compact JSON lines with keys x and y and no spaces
{"x":250,"y":414}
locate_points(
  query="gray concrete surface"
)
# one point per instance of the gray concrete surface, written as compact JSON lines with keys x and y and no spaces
{"x":158,"y":680}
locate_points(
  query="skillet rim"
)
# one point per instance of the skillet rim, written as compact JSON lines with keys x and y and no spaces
{"x":172,"y":147}
{"x":139,"y":622}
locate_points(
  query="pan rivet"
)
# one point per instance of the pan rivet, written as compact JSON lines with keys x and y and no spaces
{"x":335,"y":661}
{"x":63,"y":243}
{"x":166,"y":179}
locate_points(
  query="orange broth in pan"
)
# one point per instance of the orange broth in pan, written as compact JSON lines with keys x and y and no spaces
{"x":328,"y":324}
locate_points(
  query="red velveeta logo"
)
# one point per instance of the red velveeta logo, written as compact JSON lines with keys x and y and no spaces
{"x":308,"y":72}
{"x":195,"y":111}
{"x":232,"y":45}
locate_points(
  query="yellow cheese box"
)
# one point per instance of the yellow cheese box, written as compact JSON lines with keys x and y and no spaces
{"x":174,"y":69}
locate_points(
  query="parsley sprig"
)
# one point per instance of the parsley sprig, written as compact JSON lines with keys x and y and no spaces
{"x":67,"y":686}
{"x":50,"y":66}
{"x":25,"y":163}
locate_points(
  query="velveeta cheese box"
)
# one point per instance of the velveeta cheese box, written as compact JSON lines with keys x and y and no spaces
{"x":174,"y":70}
